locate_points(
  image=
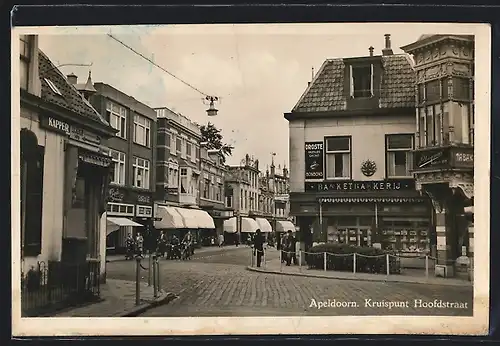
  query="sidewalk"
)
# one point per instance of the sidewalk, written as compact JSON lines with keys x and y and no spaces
{"x":118,"y":300}
{"x":206,"y":249}
{"x":408,"y":276}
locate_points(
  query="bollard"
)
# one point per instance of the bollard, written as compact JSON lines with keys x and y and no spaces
{"x":387,"y":263}
{"x":251,"y":257}
{"x":354,"y":264}
{"x":300,"y":260}
{"x":427,"y":266}
{"x":137,"y":280}
{"x":324,"y":261}
{"x":281,"y":260}
{"x":158,"y":273}
{"x":150,"y":268}
{"x":155,"y":285}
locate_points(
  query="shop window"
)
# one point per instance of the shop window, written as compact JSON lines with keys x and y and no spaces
{"x":119,"y":167}
{"x":461,"y":89}
{"x":361,"y":81}
{"x":32,"y":165}
{"x":399,"y":155}
{"x":141,"y":173}
{"x":173,"y":144}
{"x":142,"y":130}
{"x":178,"y":145}
{"x":117,"y":117}
{"x":338,"y":157}
{"x":25,"y":58}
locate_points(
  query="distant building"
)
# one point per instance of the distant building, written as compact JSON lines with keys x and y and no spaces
{"x":178,"y":170}
{"x":130,"y":195}
{"x":352,"y":134}
{"x":280,"y":188}
{"x":242,"y":190}
{"x":212,"y":197}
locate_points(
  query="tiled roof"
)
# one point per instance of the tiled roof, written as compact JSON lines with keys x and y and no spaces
{"x":326,"y":92}
{"x":70,"y":98}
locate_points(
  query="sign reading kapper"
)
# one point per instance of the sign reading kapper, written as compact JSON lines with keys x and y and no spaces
{"x":314,"y":160}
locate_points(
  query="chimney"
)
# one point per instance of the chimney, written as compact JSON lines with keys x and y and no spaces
{"x":387,"y":50}
{"x":72,"y":78}
{"x":371,"y":50}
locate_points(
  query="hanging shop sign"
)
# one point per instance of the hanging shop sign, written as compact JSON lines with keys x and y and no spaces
{"x":361,"y":186}
{"x":314,"y":160}
{"x":71,"y":130}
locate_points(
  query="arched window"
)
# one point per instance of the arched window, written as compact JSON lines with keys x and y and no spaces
{"x":32,"y":158}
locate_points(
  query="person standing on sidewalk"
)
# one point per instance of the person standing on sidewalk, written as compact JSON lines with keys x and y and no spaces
{"x":258,"y":246}
{"x":221,"y":240}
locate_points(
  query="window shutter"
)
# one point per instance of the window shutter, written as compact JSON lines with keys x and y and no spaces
{"x":351,"y":84}
{"x":34,"y":203}
{"x":371,"y":79}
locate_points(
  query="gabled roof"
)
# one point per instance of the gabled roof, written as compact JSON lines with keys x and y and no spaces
{"x":70,"y":98}
{"x":326,"y":92}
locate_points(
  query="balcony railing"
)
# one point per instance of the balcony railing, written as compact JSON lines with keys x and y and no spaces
{"x":52,"y":286}
{"x":443,"y":158}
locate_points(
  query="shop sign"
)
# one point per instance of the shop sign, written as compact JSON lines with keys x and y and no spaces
{"x":172,"y":191}
{"x":72,"y":131}
{"x":55,"y":125}
{"x":361,"y":186}
{"x":464,"y":158}
{"x":314,"y":160}
{"x":431,"y":158}
{"x":115,"y":195}
{"x":143,"y":199}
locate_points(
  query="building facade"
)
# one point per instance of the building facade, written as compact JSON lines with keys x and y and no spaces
{"x":130,"y":195}
{"x":444,"y":139}
{"x":351,"y":141}
{"x":178,"y":171}
{"x":212,"y":196}
{"x":242,"y":190}
{"x":64,"y":169}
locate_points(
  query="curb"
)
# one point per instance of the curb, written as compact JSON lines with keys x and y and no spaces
{"x":353,"y":278}
{"x":165,"y":298}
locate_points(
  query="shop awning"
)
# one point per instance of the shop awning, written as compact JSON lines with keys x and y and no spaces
{"x":284,"y":226}
{"x":114,"y":223}
{"x":189,"y":217}
{"x":247,"y":225}
{"x":264,"y":225}
{"x":170,"y":218}
{"x":203,"y":218}
{"x":230,"y":225}
{"x":469,"y":210}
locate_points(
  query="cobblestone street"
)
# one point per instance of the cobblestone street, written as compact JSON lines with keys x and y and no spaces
{"x":218,"y":284}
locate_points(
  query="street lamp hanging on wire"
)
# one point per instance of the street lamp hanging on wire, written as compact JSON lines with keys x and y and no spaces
{"x":212,"y":100}
{"x":212,"y":111}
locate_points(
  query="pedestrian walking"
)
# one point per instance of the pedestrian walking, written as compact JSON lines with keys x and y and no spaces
{"x":221,"y":240}
{"x":258,"y":246}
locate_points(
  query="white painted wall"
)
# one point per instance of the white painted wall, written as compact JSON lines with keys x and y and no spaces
{"x":53,"y":184}
{"x":368,"y":141}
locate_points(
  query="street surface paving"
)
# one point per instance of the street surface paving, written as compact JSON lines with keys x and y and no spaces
{"x":217,"y":283}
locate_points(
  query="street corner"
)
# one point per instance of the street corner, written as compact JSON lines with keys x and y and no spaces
{"x":164,"y":299}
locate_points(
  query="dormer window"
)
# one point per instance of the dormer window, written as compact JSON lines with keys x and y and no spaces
{"x":361,"y":81}
{"x":53,"y":87}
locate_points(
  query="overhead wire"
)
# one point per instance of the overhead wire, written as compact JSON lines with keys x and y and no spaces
{"x":158,"y":66}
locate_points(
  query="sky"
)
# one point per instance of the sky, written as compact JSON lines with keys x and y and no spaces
{"x":259,"y":72}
